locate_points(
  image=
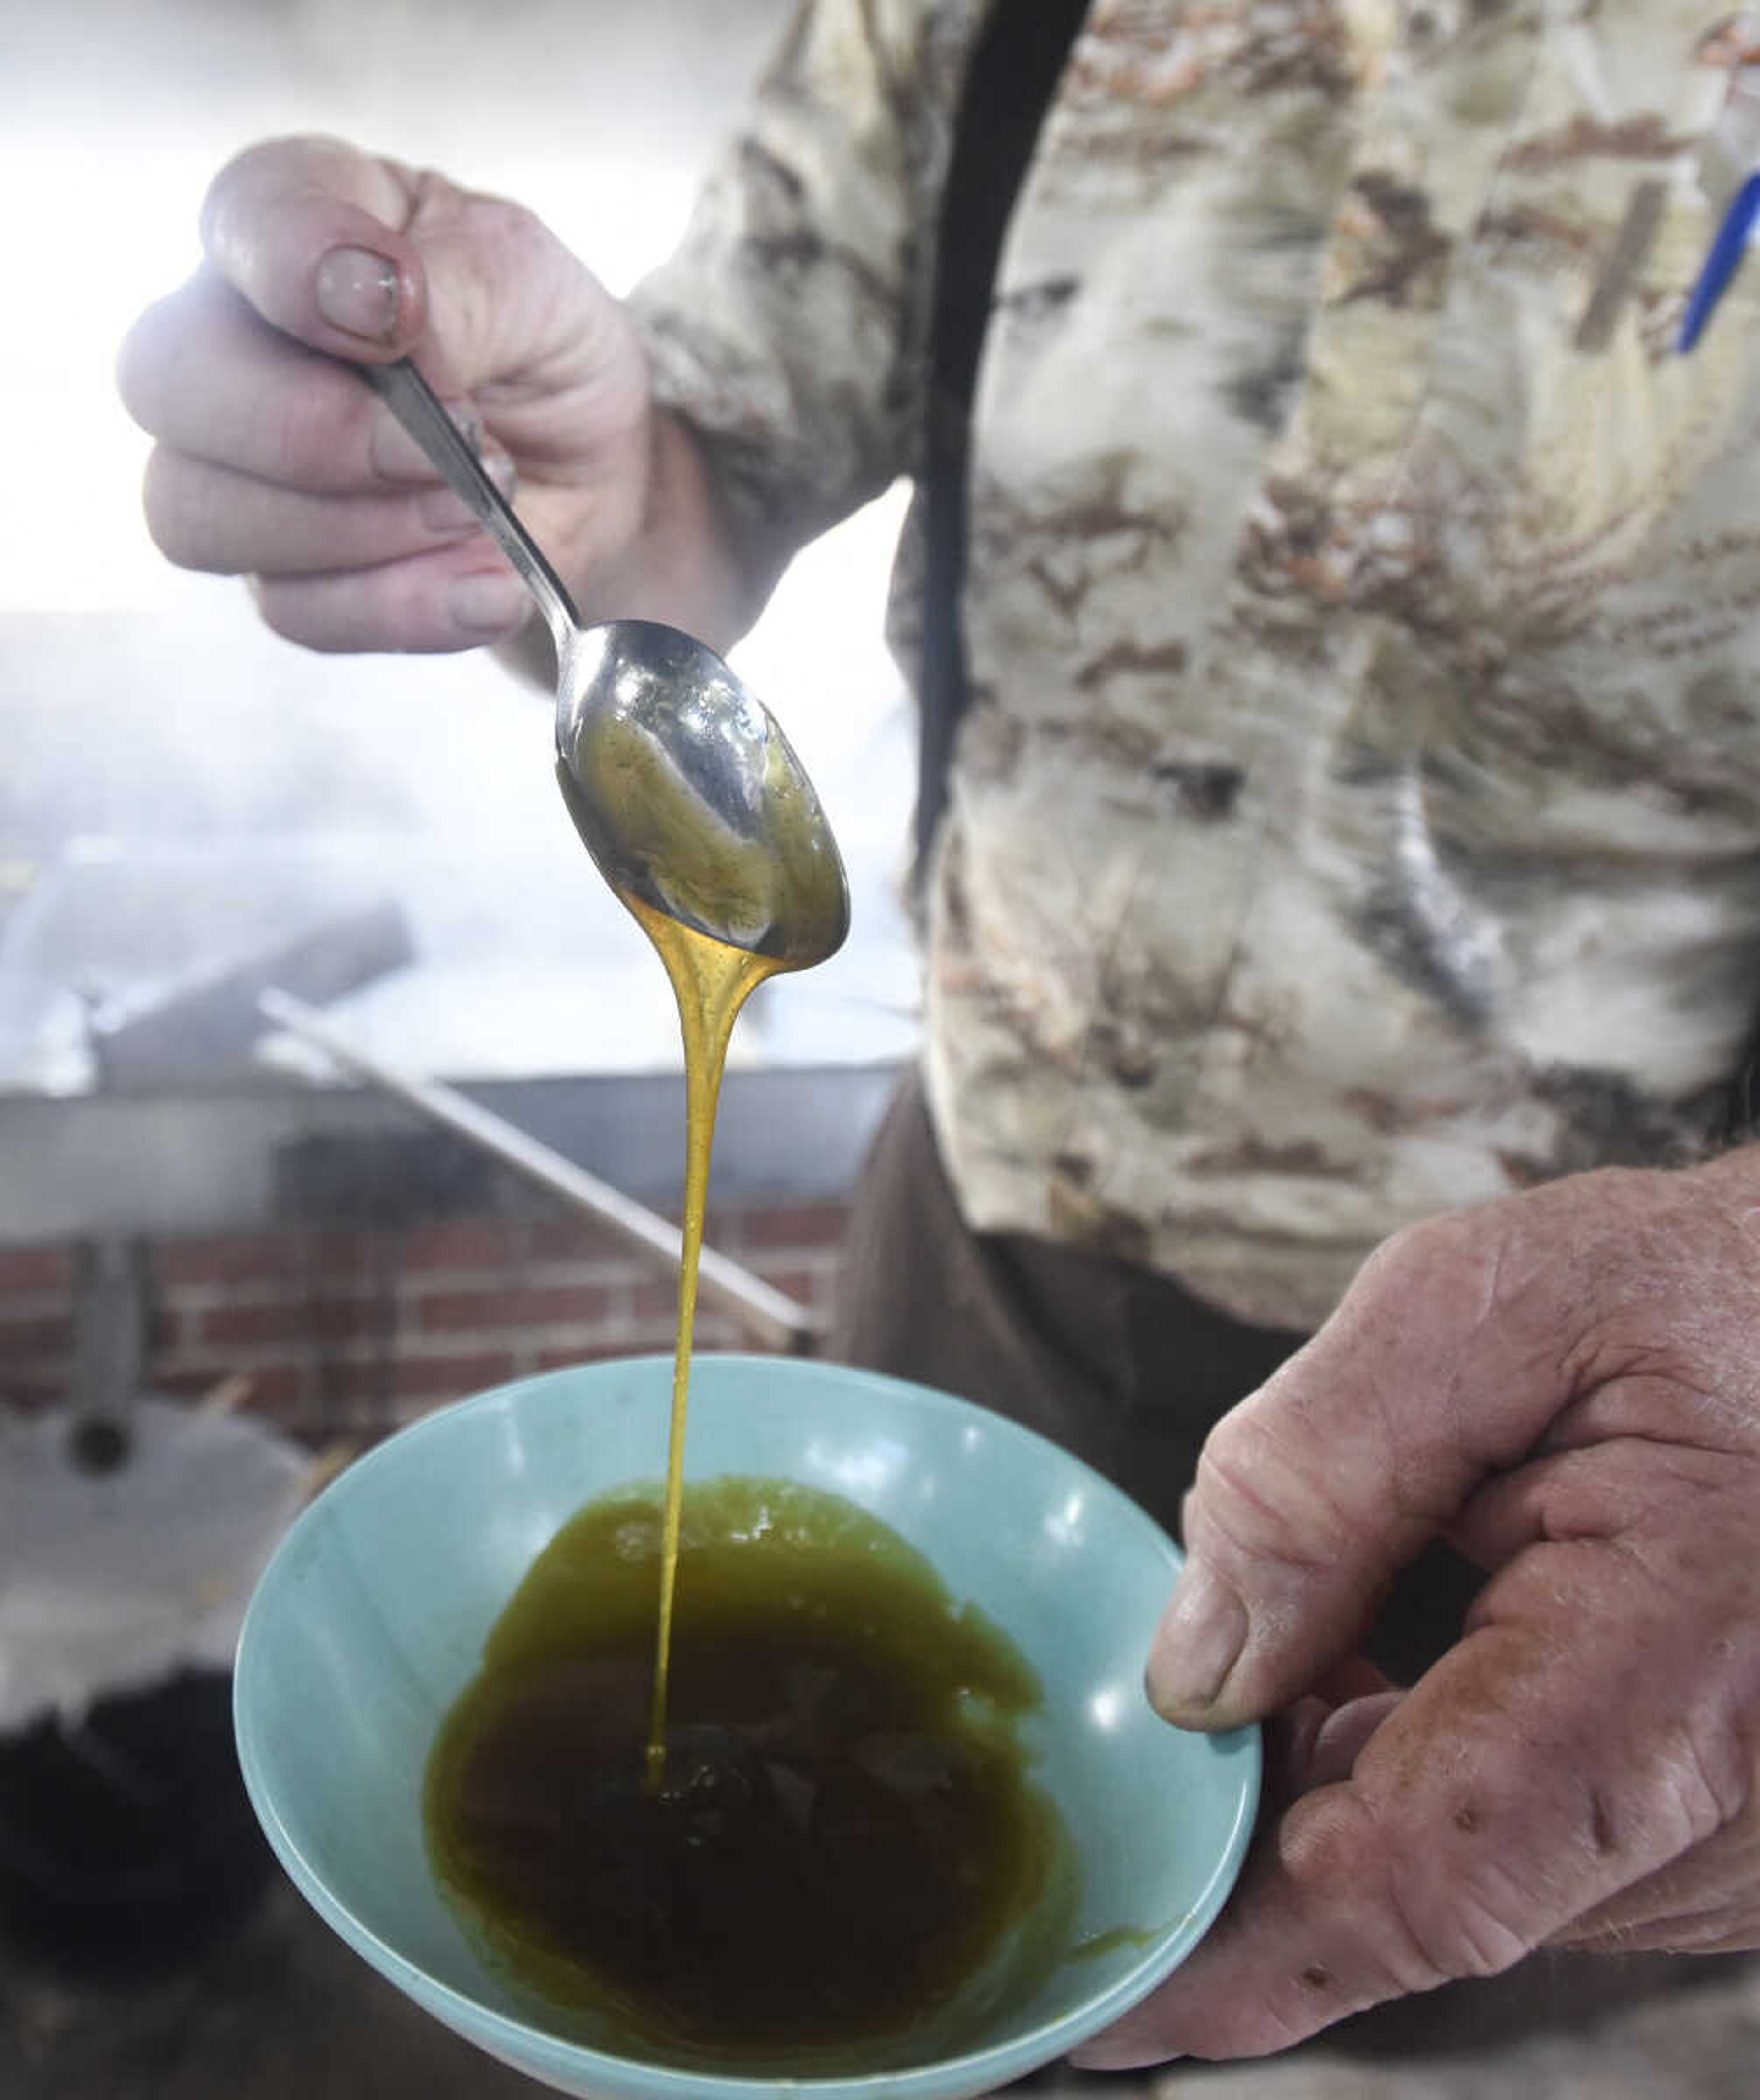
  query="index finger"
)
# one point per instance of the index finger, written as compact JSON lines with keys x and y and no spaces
{"x":208,"y":377}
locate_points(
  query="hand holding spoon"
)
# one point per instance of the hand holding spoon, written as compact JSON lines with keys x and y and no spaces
{"x":686,"y":792}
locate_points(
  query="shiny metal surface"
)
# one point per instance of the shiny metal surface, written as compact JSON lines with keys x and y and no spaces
{"x":687,"y":793}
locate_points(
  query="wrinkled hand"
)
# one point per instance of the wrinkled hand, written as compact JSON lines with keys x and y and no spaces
{"x":1567,"y":1385}
{"x":275,"y":461}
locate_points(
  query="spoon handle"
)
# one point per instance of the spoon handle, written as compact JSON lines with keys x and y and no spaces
{"x":419,"y":409}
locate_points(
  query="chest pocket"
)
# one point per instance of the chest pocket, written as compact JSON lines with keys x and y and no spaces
{"x":1498,"y":457}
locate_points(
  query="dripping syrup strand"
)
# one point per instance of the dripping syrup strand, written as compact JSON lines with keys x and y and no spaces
{"x":711,"y":982}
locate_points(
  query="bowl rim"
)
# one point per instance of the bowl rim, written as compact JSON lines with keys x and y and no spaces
{"x":520,"y":2042}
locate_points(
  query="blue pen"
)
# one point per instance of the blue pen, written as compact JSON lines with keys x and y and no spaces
{"x":1734,"y":237}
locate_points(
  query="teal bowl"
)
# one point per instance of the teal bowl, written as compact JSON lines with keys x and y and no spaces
{"x":370,"y":1619}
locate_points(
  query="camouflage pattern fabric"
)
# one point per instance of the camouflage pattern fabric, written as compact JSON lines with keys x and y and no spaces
{"x":1358,"y":814}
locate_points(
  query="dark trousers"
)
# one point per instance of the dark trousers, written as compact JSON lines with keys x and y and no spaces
{"x":1120,"y":1365}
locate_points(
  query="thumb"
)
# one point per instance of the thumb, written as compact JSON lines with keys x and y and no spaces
{"x":1441,"y":1364}
{"x":309,"y":231}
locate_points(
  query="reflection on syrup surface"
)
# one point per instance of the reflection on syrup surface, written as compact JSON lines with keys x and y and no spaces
{"x":847,"y":1836}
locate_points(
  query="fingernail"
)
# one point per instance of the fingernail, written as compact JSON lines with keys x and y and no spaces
{"x":1198,"y":1643}
{"x":357,"y":293}
{"x":489,"y":602}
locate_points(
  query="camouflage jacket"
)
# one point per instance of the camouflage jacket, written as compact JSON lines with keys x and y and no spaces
{"x":1358,"y":814}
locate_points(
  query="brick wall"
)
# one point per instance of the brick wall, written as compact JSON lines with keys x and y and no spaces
{"x":350,"y":1333}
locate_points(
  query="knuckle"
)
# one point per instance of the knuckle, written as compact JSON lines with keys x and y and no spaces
{"x":1416,"y":1925}
{"x":344,"y":611}
{"x":140,"y":369}
{"x":229,"y":180}
{"x":1258,"y":1484}
{"x":264,"y":164}
{"x":1704,"y":1785}
{"x":1468,"y":1934}
{"x":1424,"y":1244}
{"x":305,"y":438}
{"x":295,"y":610}
{"x":179,"y":497}
{"x":1449,"y":1269}
{"x":514,"y":230}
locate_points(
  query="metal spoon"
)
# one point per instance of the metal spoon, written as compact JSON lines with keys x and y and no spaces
{"x":684,"y":790}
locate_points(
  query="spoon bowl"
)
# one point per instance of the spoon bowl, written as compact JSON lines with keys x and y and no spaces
{"x":689,"y":796}
{"x":682,"y":787}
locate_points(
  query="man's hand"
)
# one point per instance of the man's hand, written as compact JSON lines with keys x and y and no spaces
{"x":1565,"y":1384}
{"x":275,"y":461}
